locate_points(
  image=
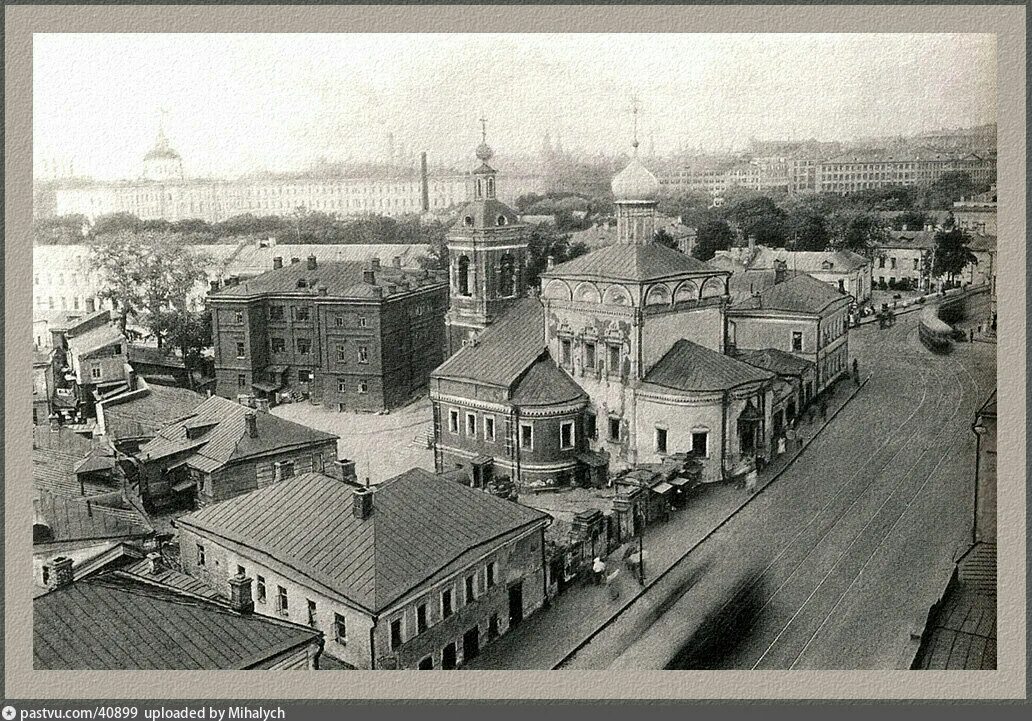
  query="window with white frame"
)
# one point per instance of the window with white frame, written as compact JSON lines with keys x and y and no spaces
{"x":489,"y":428}
{"x":661,"y":440}
{"x":340,"y":629}
{"x":527,"y":436}
{"x":282,"y":602}
{"x":567,"y":435}
{"x":797,"y":340}
{"x":453,"y":420}
{"x":471,"y":424}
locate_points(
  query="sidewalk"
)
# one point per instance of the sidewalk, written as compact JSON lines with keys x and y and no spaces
{"x":546,"y":638}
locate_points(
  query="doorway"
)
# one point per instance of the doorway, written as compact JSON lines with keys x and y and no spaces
{"x":471,"y":644}
{"x":448,"y":657}
{"x":515,"y":603}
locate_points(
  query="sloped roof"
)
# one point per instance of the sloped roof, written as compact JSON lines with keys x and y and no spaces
{"x":982,"y":243}
{"x":144,"y":415}
{"x":95,"y":339}
{"x":921,"y":239}
{"x":776,"y":361}
{"x":627,"y":261}
{"x":121,"y":623}
{"x":485,"y":214}
{"x":249,"y":258}
{"x":227,"y":439}
{"x":544,"y":383}
{"x":343,"y":279}
{"x":72,"y":518}
{"x":504,"y":350}
{"x":688,"y":366}
{"x":154,"y":356}
{"x":53,"y":471}
{"x":421,"y":526}
{"x":799,"y":293}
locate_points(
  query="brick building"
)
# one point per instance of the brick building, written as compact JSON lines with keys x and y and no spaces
{"x":222,"y":449}
{"x":347,"y":335}
{"x":416,"y":573}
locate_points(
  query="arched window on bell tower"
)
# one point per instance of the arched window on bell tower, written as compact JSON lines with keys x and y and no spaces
{"x":507,"y":276}
{"x":490,"y":187}
{"x":478,"y":193}
{"x":463,"y":275}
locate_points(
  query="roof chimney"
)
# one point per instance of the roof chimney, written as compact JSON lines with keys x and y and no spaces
{"x":213,"y":286}
{"x":362,"y":503}
{"x":277,"y":262}
{"x":780,"y":269}
{"x":323,"y":290}
{"x":344,"y":470}
{"x":251,"y":420}
{"x":551,"y":262}
{"x":240,"y":594}
{"x":61,"y":572}
{"x":312,"y":265}
{"x":397,"y":261}
{"x":375,"y":263}
{"x":377,"y":291}
{"x":295,"y":261}
{"x":154,"y":564}
{"x":368,"y":277}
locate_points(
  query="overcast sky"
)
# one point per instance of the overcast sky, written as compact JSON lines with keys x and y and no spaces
{"x":244,"y":102}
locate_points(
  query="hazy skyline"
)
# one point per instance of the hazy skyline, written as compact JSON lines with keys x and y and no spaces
{"x":238,"y":103}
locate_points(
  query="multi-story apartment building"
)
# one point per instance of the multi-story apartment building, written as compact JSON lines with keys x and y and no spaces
{"x":862,"y":170}
{"x":977,"y":213}
{"x":348,"y":335}
{"x":418,"y":572}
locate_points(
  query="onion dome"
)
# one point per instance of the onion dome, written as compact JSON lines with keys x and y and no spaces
{"x":484,"y":152}
{"x":161,"y":149}
{"x":635,"y":182}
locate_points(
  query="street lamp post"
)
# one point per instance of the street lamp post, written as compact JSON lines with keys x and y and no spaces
{"x":641,"y":548}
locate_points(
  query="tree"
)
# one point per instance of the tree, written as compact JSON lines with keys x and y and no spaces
{"x":952,"y":253}
{"x":663,"y":237}
{"x":758,"y":216}
{"x":712,"y":236}
{"x":910,"y":219}
{"x":115,"y":223}
{"x":190,"y":332}
{"x":947,"y":189}
{"x":545,"y":242}
{"x":808,"y":230}
{"x":59,"y":230}
{"x":119,"y":261}
{"x":861,"y":233}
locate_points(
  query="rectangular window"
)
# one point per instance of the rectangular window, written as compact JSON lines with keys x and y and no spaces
{"x":589,"y":355}
{"x":241,"y":381}
{"x":363,"y":386}
{"x":304,"y":346}
{"x":489,"y":428}
{"x":341,"y":353}
{"x":565,"y":351}
{"x":279,"y":345}
{"x":200,"y":555}
{"x":395,"y":633}
{"x":363,"y":354}
{"x":240,"y":350}
{"x":342,"y":385}
{"x":317,"y":464}
{"x":661,"y":440}
{"x":339,"y":321}
{"x":421,"y":620}
{"x":282,"y":604}
{"x":566,"y":435}
{"x":259,"y":589}
{"x":881,"y":262}
{"x":361,"y":322}
{"x":470,"y":589}
{"x":238,"y":317}
{"x":453,"y":420}
{"x":301,"y":314}
{"x":797,"y":340}
{"x":590,"y":422}
{"x":340,"y":629}
{"x":614,"y":429}
{"x":95,"y":372}
{"x":471,"y":424}
{"x":492,"y":573}
{"x":446,"y":603}
{"x":526,"y":436}
{"x":893,"y":262}
{"x":614,"y":359}
{"x":311,"y":613}
{"x":284,"y":470}
{"x":916,"y":264}
{"x":700,"y":443}
{"x":275,"y":312}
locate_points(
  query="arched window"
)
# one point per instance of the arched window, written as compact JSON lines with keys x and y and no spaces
{"x":501,"y":220}
{"x":491,"y":189}
{"x":480,"y":189}
{"x":468,"y":221}
{"x":507,"y":276}
{"x":463,"y":275}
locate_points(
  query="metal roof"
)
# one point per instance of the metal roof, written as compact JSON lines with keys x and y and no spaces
{"x":799,"y":293}
{"x":144,"y":415}
{"x":95,"y":339}
{"x":777,"y":361}
{"x":342,"y":279}
{"x":689,"y":366}
{"x":544,"y":383}
{"x":633,"y":262}
{"x":422,"y":526}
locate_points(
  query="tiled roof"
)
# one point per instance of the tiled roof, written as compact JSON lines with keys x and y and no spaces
{"x":227,"y":439}
{"x":95,"y":339}
{"x":114,"y":622}
{"x":776,"y":361}
{"x":421,"y":527}
{"x":74,"y":518}
{"x":689,"y":366}
{"x":799,"y":293}
{"x":342,"y":279}
{"x":143,"y":416}
{"x":627,"y":261}
{"x":544,"y":383}
{"x":504,"y":350}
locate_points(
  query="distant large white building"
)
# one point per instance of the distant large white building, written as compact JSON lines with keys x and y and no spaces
{"x":163,"y":192}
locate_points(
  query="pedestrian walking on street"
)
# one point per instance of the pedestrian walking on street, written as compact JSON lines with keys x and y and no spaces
{"x":971,"y":336}
{"x":599,"y":570}
{"x":856,"y":371}
{"x":824,"y":410}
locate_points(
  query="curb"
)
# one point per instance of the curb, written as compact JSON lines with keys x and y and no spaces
{"x":631,"y":601}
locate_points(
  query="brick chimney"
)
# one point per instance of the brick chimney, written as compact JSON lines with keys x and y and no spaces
{"x":295,"y":261}
{"x":154,"y":563}
{"x":550,"y":262}
{"x":312,"y":265}
{"x":240,"y":594}
{"x":362,"y":503}
{"x":344,"y":470}
{"x":377,"y":291}
{"x":213,"y":286}
{"x":322,"y":289}
{"x":375,"y":263}
{"x":368,"y":277}
{"x":251,"y":421}
{"x":397,"y":261}
{"x":61,"y":572}
{"x":277,"y":262}
{"x":780,"y":269}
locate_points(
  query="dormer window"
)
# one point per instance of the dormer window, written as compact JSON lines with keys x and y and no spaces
{"x":501,"y":220}
{"x":468,"y":221}
{"x":301,"y":283}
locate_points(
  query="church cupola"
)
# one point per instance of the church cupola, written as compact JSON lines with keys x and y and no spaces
{"x":162,"y":162}
{"x":484,"y":177}
{"x":636,"y":193}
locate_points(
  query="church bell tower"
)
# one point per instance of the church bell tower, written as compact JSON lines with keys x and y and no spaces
{"x":487,"y":248}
